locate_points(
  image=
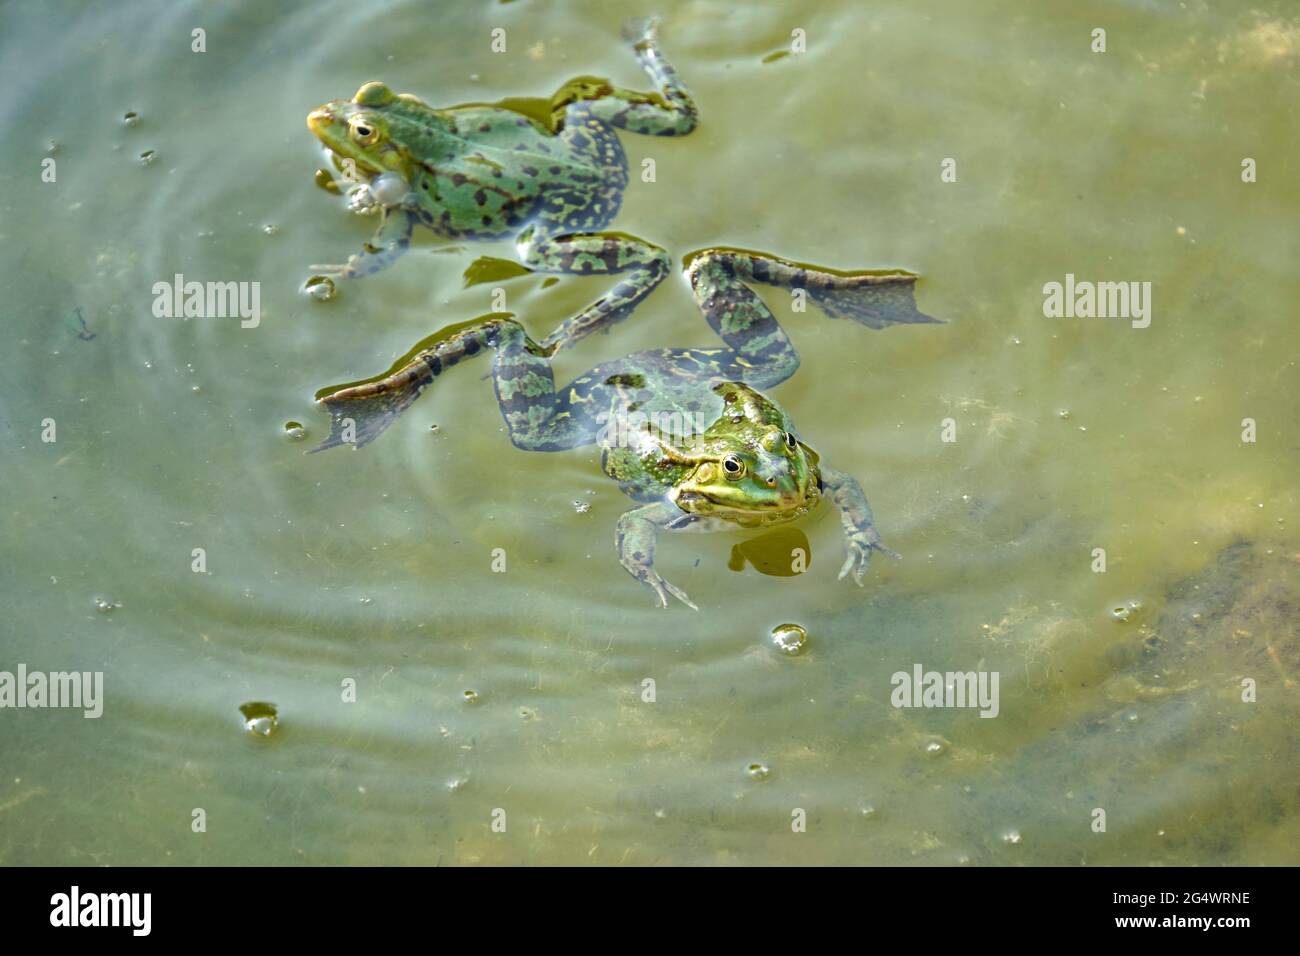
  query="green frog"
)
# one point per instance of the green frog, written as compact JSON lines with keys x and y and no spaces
{"x":552,"y":178}
{"x":688,"y":432}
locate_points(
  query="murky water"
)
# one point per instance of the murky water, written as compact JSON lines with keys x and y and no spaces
{"x":483,"y":696}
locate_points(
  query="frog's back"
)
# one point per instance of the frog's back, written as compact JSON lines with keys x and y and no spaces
{"x":511,"y":170}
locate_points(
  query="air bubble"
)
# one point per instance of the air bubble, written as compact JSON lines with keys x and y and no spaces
{"x":758,"y":771}
{"x":1125,"y":612}
{"x":471,"y":696}
{"x":294,"y":431}
{"x":790,"y":639}
{"x":320,"y":288}
{"x":260,"y":718}
{"x":148,"y":156}
{"x":130,"y":118}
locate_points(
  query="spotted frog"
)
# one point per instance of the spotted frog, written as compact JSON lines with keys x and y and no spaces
{"x":686,"y":432}
{"x":551,"y":177}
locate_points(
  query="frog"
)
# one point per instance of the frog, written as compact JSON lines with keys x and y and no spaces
{"x":551,"y":176}
{"x":689,"y":434}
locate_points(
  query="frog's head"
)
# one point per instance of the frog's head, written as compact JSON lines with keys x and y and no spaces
{"x":376,"y":129}
{"x":748,"y":465}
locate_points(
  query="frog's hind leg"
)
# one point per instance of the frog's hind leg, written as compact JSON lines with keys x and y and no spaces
{"x":761,"y":354}
{"x":873,"y":299}
{"x":642,"y":264}
{"x":669,"y":112}
{"x":525,"y":386}
{"x":764,"y":354}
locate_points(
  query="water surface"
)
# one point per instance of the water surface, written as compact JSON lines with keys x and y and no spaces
{"x":375,"y":567}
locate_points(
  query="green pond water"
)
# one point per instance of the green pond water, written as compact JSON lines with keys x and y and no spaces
{"x":518,"y":696}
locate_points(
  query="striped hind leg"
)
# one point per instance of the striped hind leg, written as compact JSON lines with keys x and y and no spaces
{"x":669,"y":111}
{"x":761,"y":353}
{"x":522,"y":378}
{"x":718,"y":279}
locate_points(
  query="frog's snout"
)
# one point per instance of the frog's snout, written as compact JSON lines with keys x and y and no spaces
{"x":318,"y":120}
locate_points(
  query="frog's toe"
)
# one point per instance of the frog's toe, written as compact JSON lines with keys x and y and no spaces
{"x":856,"y":564}
{"x":336,"y":270}
{"x":859,"y":556}
{"x":640,"y":29}
{"x":663,"y":589}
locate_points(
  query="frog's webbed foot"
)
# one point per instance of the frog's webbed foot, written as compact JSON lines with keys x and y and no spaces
{"x":663,"y":589}
{"x":635,"y":536}
{"x":860,"y":544}
{"x":860,"y":535}
{"x":358,"y":415}
{"x":875,"y":301}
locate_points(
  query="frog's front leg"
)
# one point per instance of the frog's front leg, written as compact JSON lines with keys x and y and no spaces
{"x":859,"y":527}
{"x":604,"y":253}
{"x":391,"y":240}
{"x":636,"y":534}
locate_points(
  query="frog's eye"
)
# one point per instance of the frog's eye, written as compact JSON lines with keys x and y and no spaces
{"x":733,"y":468}
{"x":364,"y":132}
{"x":790,"y":442}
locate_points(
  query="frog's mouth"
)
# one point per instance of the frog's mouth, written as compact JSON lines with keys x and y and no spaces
{"x":772,"y":508}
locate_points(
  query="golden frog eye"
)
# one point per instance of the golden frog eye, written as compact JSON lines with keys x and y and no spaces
{"x":363,"y":131}
{"x":790,"y":442}
{"x":733,"y":468}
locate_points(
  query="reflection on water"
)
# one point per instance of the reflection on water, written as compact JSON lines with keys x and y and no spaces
{"x":417,"y":691}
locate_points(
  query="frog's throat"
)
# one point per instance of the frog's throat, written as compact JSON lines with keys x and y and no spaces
{"x":342,"y":154}
{"x":701,"y":506}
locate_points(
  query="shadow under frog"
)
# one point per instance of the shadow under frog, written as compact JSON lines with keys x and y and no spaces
{"x":780,"y":553}
{"x":746,"y":465}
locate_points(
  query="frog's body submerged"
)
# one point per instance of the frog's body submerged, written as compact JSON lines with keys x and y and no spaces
{"x":487,"y":172}
{"x":686,"y":432}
